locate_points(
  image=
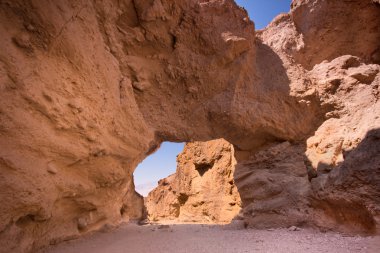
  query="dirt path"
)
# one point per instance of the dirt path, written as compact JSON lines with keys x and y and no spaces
{"x":132,"y":238}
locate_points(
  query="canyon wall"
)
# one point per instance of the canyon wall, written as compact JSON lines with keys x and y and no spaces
{"x":202,"y":189}
{"x":90,"y":88}
{"x":331,"y":178}
{"x":340,"y":159}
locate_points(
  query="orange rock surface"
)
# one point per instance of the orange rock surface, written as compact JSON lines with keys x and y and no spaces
{"x":90,"y":88}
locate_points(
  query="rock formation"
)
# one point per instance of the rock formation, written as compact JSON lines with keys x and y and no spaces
{"x":201,"y":190}
{"x":90,"y":88}
{"x":340,"y":156}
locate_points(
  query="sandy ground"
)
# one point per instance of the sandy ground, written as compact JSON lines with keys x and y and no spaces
{"x":221,"y":239}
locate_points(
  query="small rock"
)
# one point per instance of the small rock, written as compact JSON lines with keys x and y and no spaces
{"x":143,"y":222}
{"x":91,"y":137}
{"x":30,"y":28}
{"x":294,"y":228}
{"x":82,"y":223}
{"x":140,"y":86}
{"x":193,"y":89}
{"x":51,"y":168}
{"x":22,"y":41}
{"x":163,"y":226}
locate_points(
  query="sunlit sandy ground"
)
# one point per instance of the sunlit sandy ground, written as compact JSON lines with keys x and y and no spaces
{"x":181,"y":238}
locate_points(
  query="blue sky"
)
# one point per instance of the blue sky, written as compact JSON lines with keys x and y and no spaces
{"x":262,"y":12}
{"x":163,"y":162}
{"x":159,"y":165}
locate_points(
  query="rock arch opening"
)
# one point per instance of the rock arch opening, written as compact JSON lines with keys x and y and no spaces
{"x":88,"y":89}
{"x":160,"y":164}
{"x":201,"y":190}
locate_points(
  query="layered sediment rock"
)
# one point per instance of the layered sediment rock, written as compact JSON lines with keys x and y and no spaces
{"x":90,"y":88}
{"x":201,"y":190}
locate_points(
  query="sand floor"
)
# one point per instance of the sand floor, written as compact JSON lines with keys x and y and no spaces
{"x":133,"y":238}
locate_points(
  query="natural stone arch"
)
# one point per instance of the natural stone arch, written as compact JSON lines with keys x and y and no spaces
{"x":89,"y":93}
{"x":91,"y":88}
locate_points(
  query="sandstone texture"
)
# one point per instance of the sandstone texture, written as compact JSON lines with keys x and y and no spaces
{"x":90,"y":88}
{"x":201,"y":190}
{"x":340,"y":159}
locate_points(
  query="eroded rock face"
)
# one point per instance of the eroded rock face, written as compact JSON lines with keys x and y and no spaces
{"x":339,"y":158}
{"x":349,"y":27}
{"x":201,"y":190}
{"x":345,"y":148}
{"x":89,"y":89}
{"x":274,"y":186}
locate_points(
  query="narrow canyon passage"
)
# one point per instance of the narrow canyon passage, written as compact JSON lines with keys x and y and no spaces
{"x":194,"y":195}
